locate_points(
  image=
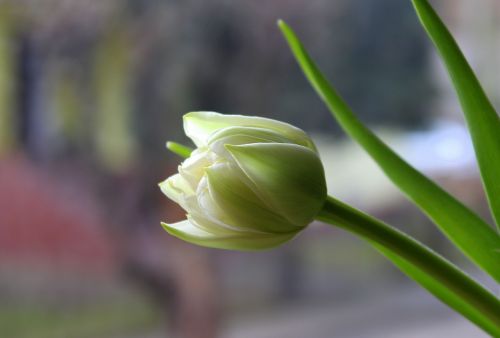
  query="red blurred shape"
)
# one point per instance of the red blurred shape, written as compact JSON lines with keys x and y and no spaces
{"x":41,"y":223}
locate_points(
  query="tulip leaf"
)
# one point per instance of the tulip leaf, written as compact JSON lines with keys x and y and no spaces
{"x":431,"y":284}
{"x":430,"y":270}
{"x":465,"y":229}
{"x":481,"y":117}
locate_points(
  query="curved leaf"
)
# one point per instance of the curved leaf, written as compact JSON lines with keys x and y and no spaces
{"x":440,"y":291}
{"x":465,"y":229}
{"x":430,"y":270}
{"x":481,"y":117}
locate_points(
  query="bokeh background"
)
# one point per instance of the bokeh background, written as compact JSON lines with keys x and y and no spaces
{"x":91,"y":90}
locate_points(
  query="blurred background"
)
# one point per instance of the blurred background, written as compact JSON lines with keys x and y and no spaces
{"x":91,"y":90}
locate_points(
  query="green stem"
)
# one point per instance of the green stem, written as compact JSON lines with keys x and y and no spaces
{"x":411,"y":256}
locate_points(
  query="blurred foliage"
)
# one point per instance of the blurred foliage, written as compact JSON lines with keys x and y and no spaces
{"x":123,"y":72}
{"x":97,"y":320}
{"x":7,"y":80}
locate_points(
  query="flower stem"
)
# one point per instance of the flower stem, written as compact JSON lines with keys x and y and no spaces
{"x":432,"y":271}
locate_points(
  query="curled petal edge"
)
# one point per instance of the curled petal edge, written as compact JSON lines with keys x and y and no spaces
{"x":189,"y":232}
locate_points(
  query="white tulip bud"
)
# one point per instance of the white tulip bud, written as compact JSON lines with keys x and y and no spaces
{"x":252,"y":183}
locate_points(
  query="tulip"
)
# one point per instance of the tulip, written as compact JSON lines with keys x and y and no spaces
{"x":252,"y":183}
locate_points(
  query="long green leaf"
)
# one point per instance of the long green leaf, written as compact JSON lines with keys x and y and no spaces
{"x":440,"y":291}
{"x":481,"y":117}
{"x":464,"y":228}
{"x":433,"y":272}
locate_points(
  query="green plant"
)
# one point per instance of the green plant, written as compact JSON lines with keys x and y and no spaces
{"x":471,"y":234}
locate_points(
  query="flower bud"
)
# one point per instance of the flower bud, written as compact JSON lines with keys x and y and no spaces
{"x":252,"y":183}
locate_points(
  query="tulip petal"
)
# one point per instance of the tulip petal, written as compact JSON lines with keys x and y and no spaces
{"x":198,"y":126}
{"x":176,"y":188}
{"x":193,"y":168}
{"x":243,"y":135}
{"x":273,"y":166}
{"x":189,"y":232}
{"x":240,"y":205}
{"x":207,"y":213}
